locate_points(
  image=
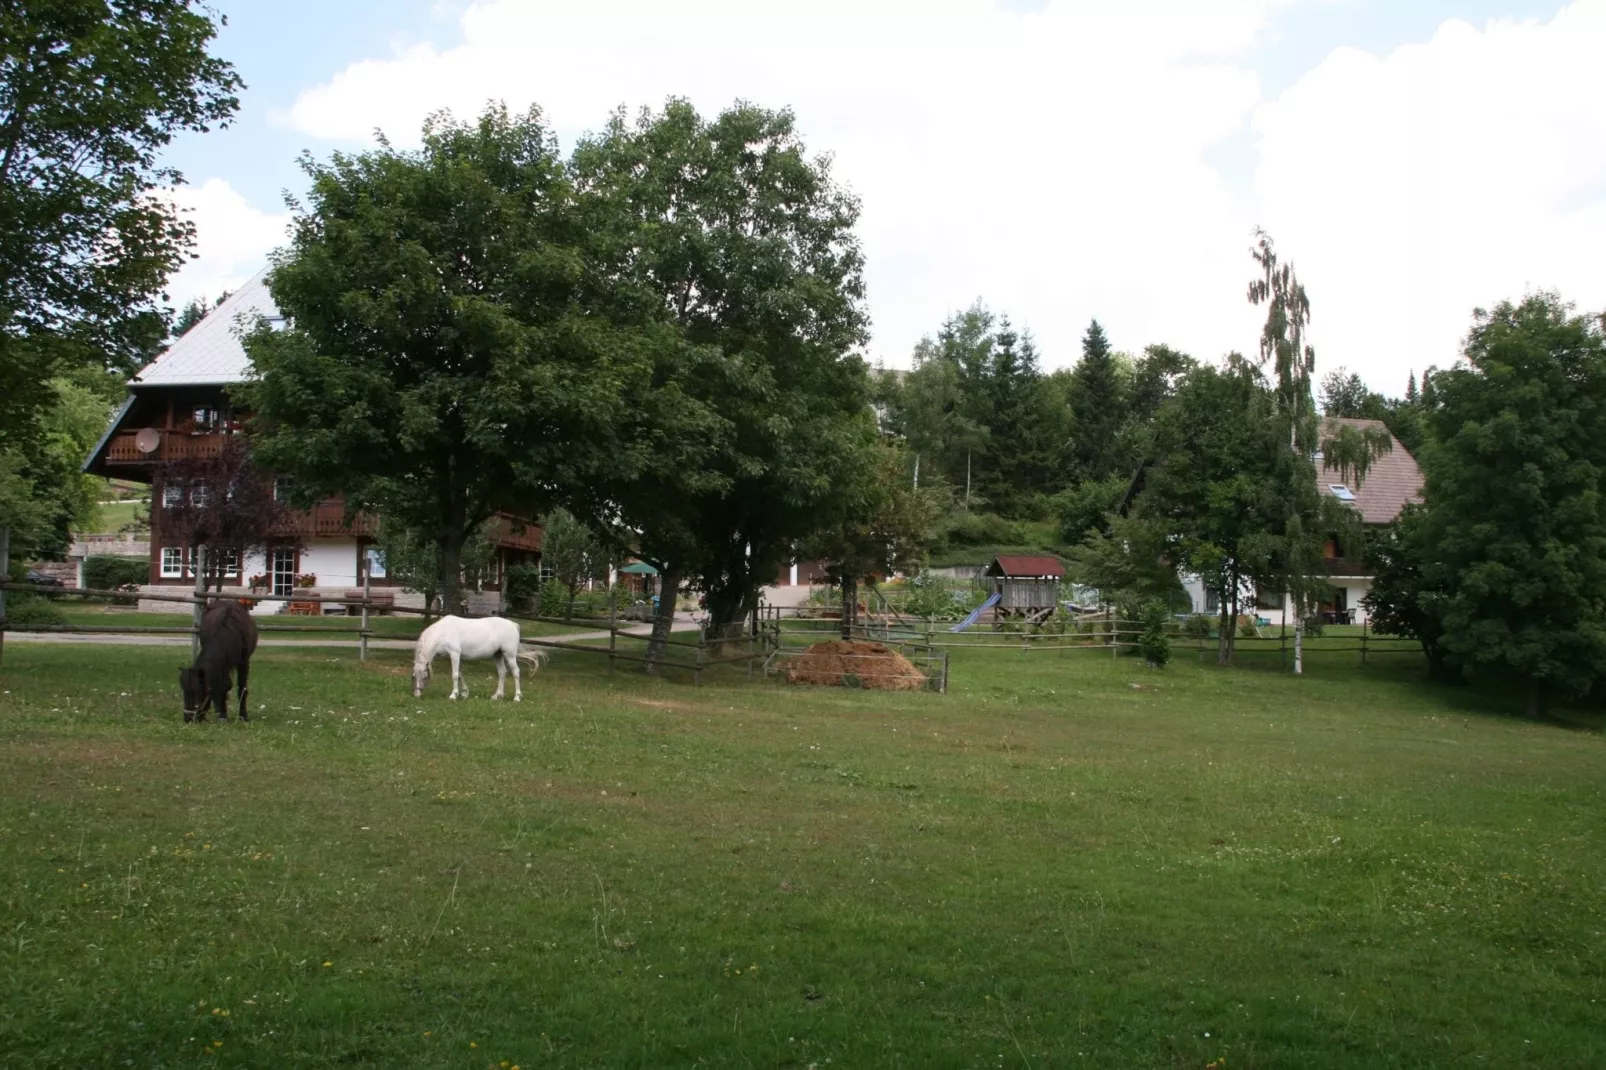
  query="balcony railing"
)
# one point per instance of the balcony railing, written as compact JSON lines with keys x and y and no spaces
{"x":170,"y":446}
{"x":511,"y":534}
{"x":328,"y":519}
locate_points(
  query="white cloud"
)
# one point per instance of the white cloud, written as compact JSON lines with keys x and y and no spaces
{"x":1053,"y":163}
{"x":1049,"y":162}
{"x":1410,"y":189}
{"x":232,"y":240}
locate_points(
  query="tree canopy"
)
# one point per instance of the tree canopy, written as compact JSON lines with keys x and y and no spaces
{"x":439,"y":363}
{"x":90,"y":92}
{"x":736,"y":262}
{"x":1503,"y":572}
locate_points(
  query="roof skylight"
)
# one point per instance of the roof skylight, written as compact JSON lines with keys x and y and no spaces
{"x":1341,"y":492}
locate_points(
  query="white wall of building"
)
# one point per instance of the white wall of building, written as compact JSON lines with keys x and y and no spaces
{"x":333,"y":561}
{"x":1354,"y":588}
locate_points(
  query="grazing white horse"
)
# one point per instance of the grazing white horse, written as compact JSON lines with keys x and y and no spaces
{"x":459,"y":638}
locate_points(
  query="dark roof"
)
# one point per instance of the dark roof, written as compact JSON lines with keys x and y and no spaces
{"x":1020,"y":565}
{"x":1393,"y":480}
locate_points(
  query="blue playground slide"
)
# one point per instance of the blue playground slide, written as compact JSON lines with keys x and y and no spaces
{"x":976,"y":613}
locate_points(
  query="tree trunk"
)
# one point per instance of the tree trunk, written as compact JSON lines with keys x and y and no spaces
{"x":850,"y":605}
{"x":668,"y":590}
{"x":1299,"y":635}
{"x":452,"y":572}
{"x":573,"y":593}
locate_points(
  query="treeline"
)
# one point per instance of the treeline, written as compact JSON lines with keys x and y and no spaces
{"x":1007,"y":442}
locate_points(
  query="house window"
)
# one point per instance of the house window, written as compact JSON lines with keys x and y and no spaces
{"x":198,"y":497}
{"x":231,"y":562}
{"x":173,"y":562}
{"x":1212,"y":603}
{"x":282,"y":566}
{"x":1341,"y":492}
{"x":1268,"y":600}
{"x":206,"y":419}
{"x":281,"y":488}
{"x":172,"y":497}
{"x":547,"y":572}
{"x":375,"y":562}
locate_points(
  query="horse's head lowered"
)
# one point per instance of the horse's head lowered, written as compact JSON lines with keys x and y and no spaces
{"x":192,"y":682}
{"x":420,"y":677}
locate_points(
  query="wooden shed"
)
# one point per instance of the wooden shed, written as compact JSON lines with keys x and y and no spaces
{"x":1027,"y":586}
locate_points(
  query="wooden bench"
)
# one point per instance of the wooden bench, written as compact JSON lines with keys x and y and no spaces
{"x":304,"y":609}
{"x":379,"y":602}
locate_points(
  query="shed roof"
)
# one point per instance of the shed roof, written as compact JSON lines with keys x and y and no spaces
{"x":1393,"y":480}
{"x":210,"y":352}
{"x":1024,"y":565}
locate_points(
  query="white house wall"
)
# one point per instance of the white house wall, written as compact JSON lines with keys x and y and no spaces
{"x":1355,"y":589}
{"x":333,"y":561}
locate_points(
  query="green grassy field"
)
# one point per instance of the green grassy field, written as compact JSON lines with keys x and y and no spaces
{"x":112,"y":518}
{"x":1066,"y":861}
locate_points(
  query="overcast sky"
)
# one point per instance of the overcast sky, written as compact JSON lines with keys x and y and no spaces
{"x":1059,"y":159}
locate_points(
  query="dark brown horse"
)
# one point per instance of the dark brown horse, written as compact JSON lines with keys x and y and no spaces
{"x":228,"y":639}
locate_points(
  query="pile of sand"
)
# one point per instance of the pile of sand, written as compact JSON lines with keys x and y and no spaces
{"x":871,"y":664}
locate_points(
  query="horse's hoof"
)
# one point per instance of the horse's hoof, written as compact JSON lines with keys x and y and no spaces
{"x":518,"y":698}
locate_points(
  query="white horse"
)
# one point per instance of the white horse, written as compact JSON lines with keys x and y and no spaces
{"x":481,"y":637}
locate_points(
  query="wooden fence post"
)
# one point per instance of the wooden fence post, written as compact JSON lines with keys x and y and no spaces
{"x":697,"y":666}
{"x":198,"y":562}
{"x":613,"y":630}
{"x":1365,"y":627}
{"x":5,"y":577}
{"x":362,"y":636}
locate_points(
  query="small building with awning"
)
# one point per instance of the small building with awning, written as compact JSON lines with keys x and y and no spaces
{"x":1026,"y":585}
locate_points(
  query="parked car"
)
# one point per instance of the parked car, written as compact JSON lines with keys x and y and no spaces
{"x":43,"y":579}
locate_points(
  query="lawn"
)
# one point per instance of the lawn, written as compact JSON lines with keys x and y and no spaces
{"x":1068,"y":860}
{"x":112,"y":518}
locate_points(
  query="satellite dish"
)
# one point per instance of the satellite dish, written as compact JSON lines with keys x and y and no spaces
{"x":147,"y":440}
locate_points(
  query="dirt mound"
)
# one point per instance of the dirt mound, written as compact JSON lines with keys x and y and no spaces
{"x":869,"y":664}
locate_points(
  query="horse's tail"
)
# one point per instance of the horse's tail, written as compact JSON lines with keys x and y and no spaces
{"x":536,"y":659}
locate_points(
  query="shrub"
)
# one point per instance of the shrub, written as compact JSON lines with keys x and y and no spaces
{"x":1153,"y":643}
{"x":1198,"y":626}
{"x":1247,"y":628}
{"x":981,"y":529}
{"x":24,"y":611}
{"x":107,"y":572}
{"x":522,"y":582}
{"x":1313,"y":626}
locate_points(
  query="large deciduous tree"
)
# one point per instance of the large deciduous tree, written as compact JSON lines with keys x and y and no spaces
{"x":1213,"y":497}
{"x":90,"y":92}
{"x":440,"y":360}
{"x":730,"y":235}
{"x":1507,"y":576}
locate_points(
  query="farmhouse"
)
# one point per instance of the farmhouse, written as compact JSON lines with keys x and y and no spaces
{"x":1392,"y":482}
{"x":178,"y":407}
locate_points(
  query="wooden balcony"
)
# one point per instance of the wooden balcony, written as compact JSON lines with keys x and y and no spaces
{"x":328,"y":520}
{"x":171,"y":446}
{"x":506,"y":533}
